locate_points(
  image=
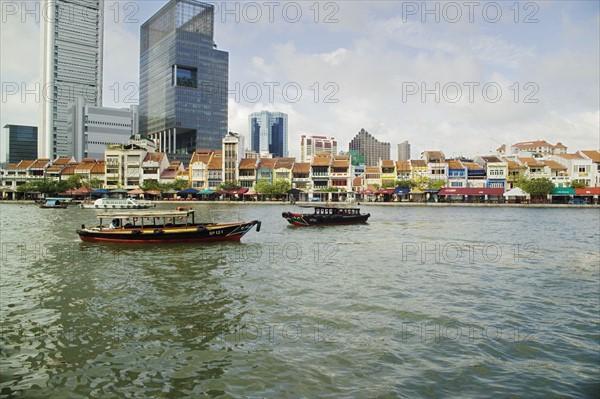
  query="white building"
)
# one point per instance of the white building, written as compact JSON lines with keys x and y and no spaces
{"x":71,"y":66}
{"x":124,"y":163}
{"x":233,"y":151}
{"x":90,"y":128}
{"x":311,"y":145}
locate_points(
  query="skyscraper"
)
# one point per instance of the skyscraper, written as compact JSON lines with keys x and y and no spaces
{"x":183,"y":79}
{"x":269,"y":132}
{"x":403,"y":151}
{"x":71,"y":67}
{"x":368,"y":146}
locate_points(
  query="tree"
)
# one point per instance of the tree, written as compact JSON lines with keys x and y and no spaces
{"x":281,"y":186}
{"x":94,"y":183}
{"x":541,"y":186}
{"x":179,"y":184}
{"x":435,"y":184}
{"x":228,"y":185}
{"x":389,"y":184}
{"x":263,"y":187}
{"x":74,"y":182}
{"x":578,"y":184}
{"x":405,"y":183}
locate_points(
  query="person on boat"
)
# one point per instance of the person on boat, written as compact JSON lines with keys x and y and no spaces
{"x":115,"y":224}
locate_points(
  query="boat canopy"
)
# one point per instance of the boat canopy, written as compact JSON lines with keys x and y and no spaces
{"x":144,"y":214}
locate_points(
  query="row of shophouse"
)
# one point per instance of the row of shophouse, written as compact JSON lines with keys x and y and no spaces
{"x":129,"y":166}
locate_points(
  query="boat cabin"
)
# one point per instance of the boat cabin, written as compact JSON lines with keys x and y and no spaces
{"x":328,"y":211}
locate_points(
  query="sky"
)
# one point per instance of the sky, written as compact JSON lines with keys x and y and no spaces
{"x":462,"y":77}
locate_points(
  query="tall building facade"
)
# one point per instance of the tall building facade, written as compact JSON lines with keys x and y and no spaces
{"x":91,"y":129}
{"x":403,"y":151}
{"x":183,"y":79}
{"x":233,"y":151}
{"x":19,"y":143}
{"x":369,"y":147}
{"x":72,"y":50}
{"x":269,"y":132}
{"x":311,"y":145}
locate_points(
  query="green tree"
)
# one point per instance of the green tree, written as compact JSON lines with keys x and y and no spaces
{"x":280,"y":186}
{"x":179,"y":184}
{"x":389,"y":184}
{"x":404,"y":183}
{"x":541,"y":186}
{"x":578,"y":184}
{"x":229,"y":185}
{"x":74,"y":182}
{"x":94,"y":183}
{"x":435,"y":184}
{"x":263,"y":187}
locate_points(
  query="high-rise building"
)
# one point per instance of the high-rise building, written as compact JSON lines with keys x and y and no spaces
{"x":269,"y":132}
{"x":403,"y":151}
{"x":183,"y":79}
{"x":91,"y":129}
{"x":20,"y":143}
{"x":311,"y":145}
{"x":369,"y":147}
{"x":71,"y":67}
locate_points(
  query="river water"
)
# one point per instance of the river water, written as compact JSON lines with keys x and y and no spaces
{"x":421,"y":302}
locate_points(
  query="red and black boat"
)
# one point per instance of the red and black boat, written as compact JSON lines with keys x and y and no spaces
{"x":162,"y":227}
{"x":324,"y":216}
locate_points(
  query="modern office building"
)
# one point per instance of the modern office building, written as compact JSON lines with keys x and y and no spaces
{"x":403,"y":151}
{"x":269,"y":132}
{"x":369,"y":147}
{"x":311,"y":145}
{"x":183,"y":79}
{"x":19,"y":143}
{"x":72,"y":50}
{"x":91,"y":129}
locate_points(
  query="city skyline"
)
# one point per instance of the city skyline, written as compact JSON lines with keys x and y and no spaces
{"x":356,"y":62}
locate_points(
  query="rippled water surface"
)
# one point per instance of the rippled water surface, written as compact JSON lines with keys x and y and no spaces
{"x":420,"y":302}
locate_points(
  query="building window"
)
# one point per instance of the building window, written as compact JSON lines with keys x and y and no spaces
{"x":184,"y":76}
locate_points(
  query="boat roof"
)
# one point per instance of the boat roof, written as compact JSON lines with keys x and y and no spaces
{"x":144,"y":214}
{"x":326,"y":207}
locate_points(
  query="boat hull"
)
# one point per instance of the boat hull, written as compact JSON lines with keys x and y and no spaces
{"x":305,"y":220}
{"x":179,"y":234}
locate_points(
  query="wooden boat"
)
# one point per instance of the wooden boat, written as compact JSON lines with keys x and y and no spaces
{"x":162,"y":227}
{"x":53,"y":203}
{"x":326,"y":216}
{"x":115,"y":203}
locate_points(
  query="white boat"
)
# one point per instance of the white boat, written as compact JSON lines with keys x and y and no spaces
{"x":114,"y":203}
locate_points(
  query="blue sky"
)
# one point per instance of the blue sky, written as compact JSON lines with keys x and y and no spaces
{"x":368,"y":64}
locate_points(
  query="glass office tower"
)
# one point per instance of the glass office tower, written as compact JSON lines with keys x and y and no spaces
{"x":183,"y":79}
{"x":269,"y":132}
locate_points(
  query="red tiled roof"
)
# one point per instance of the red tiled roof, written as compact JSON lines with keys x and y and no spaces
{"x":554,"y":165}
{"x":301,"y":168}
{"x":266,"y":163}
{"x":68,"y":170}
{"x":594,"y":155}
{"x":99,"y":168}
{"x":372,"y":169}
{"x":418,"y":163}
{"x":387,"y":163}
{"x":284,"y":163}
{"x":402,"y":166}
{"x":154,"y":157}
{"x":216,"y":161}
{"x":248,"y":164}
{"x":529,"y":144}
{"x":570,"y":156}
{"x":455,"y":164}
{"x":321,"y":159}
{"x":62,"y":161}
